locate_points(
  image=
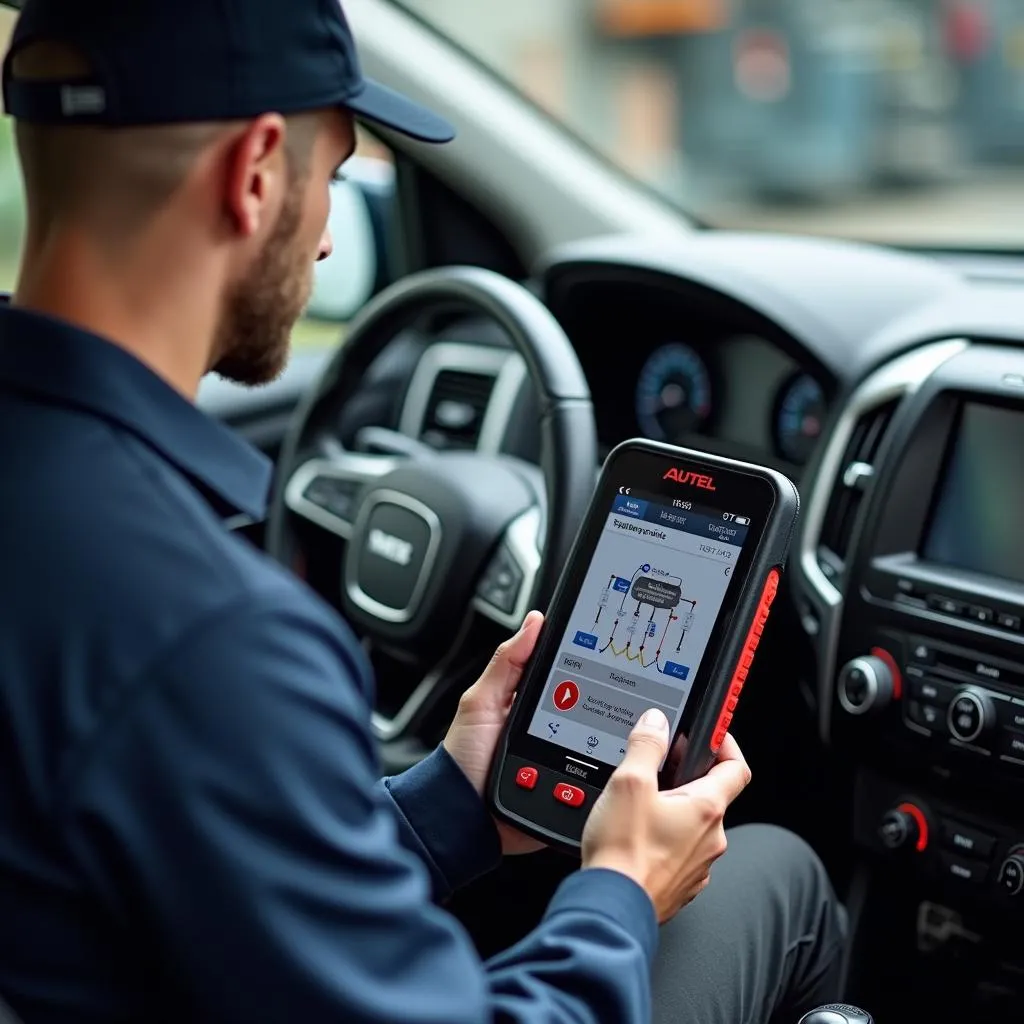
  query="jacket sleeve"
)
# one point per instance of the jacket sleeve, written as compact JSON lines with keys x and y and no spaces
{"x":442,"y":819}
{"x":232,"y":820}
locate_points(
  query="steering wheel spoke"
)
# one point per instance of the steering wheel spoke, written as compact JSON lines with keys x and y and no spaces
{"x":443,"y":549}
{"x":324,"y":491}
{"x":507,"y":584}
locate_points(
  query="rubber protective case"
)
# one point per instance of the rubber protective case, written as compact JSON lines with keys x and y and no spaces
{"x":694,"y":752}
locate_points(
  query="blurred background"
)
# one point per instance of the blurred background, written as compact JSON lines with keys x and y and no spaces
{"x":898,"y":121}
{"x":891,"y":120}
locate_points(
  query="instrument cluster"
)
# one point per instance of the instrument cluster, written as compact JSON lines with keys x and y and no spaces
{"x":742,"y":389}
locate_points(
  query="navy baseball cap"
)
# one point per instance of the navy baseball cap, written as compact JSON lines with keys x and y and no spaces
{"x":153,"y":62}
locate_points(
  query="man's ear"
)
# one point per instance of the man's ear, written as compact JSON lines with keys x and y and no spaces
{"x":256,"y":173}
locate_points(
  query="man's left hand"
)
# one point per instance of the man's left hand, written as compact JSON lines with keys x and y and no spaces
{"x":483,"y":708}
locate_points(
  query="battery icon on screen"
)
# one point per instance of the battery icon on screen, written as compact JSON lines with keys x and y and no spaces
{"x":742,"y":521}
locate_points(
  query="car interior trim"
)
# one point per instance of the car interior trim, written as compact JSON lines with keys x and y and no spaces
{"x":894,"y":380}
{"x":506,"y":367}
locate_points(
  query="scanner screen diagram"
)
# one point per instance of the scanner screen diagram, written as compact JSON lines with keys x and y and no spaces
{"x":634,"y":635}
{"x":637,"y":635}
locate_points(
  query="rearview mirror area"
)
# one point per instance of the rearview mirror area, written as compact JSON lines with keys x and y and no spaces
{"x":360,"y":223}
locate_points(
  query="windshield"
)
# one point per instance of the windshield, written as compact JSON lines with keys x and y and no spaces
{"x":896,"y":121}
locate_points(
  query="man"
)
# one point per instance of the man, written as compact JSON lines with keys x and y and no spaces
{"x":191,"y":826}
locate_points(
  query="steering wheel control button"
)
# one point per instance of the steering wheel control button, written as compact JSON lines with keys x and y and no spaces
{"x":1010,"y":879}
{"x":526,"y":777}
{"x":971,"y":713}
{"x":502,"y":582}
{"x":394,"y":547}
{"x":333,"y":494}
{"x":865,"y":685}
{"x":571,"y":796}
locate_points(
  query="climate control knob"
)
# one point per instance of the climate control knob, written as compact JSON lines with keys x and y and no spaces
{"x":1010,"y":879}
{"x":865,"y":685}
{"x":904,"y":828}
{"x":971,"y":714}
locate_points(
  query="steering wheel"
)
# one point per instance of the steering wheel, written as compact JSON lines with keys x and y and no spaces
{"x":427,"y":542}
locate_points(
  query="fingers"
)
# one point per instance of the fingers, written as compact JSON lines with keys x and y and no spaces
{"x":648,"y":743}
{"x":728,"y":777}
{"x":503,"y":673}
{"x":730,"y":749}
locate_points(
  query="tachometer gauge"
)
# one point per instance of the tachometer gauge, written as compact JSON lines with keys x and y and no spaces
{"x":799,"y":418}
{"x":673,"y":393}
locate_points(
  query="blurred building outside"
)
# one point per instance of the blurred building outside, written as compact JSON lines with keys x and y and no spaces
{"x":889,"y":120}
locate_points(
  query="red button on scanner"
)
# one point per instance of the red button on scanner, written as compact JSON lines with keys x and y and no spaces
{"x":526,"y":778}
{"x":570,"y":795}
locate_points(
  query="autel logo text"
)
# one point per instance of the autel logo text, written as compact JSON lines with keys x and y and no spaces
{"x":687,"y":476}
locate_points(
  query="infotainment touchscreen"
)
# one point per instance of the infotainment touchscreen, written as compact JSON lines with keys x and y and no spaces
{"x":979,"y":508}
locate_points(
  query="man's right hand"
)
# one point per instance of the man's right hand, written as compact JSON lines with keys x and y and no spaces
{"x":665,"y":841}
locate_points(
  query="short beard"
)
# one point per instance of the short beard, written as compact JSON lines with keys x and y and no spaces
{"x":254,"y":334}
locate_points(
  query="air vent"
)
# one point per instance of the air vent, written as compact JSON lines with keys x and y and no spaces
{"x":855,"y":475}
{"x":455,"y":412}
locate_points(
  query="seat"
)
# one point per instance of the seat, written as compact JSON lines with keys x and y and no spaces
{"x":7,"y":1015}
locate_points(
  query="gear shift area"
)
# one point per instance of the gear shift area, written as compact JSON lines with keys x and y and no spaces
{"x":837,"y":1013}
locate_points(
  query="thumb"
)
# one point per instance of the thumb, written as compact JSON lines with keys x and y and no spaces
{"x":505,"y":668}
{"x":648,"y":742}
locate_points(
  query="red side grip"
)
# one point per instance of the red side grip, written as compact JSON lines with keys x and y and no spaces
{"x":732,"y":697}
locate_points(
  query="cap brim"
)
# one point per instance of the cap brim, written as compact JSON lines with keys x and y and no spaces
{"x":378,"y":103}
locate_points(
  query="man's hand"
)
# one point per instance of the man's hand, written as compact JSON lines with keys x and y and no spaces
{"x":473,"y":735}
{"x":665,"y":841}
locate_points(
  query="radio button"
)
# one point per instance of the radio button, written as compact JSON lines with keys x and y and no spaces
{"x":976,"y":613}
{"x":970,"y":714}
{"x":933,"y":690}
{"x":946,"y":605}
{"x":922,"y":653}
{"x":1012,"y":715}
{"x":926,"y":715}
{"x":1013,"y":744}
{"x":967,"y":840}
{"x":963,"y":869}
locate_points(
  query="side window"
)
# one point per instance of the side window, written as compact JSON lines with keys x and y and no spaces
{"x":365,"y":232}
{"x":363,"y":225}
{"x":11,"y":213}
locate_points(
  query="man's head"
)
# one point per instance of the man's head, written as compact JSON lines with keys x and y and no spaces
{"x":209,"y":131}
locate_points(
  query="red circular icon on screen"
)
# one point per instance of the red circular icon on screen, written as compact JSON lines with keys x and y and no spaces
{"x":566,"y":695}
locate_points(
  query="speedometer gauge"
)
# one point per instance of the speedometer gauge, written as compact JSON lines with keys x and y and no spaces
{"x":799,"y":418}
{"x":673,"y":393}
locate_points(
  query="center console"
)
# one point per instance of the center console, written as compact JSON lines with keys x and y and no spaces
{"x":911,"y":586}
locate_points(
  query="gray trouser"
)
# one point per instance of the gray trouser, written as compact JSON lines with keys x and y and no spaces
{"x":763,"y":942}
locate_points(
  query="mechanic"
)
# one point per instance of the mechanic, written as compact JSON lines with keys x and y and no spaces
{"x":192,"y":827}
